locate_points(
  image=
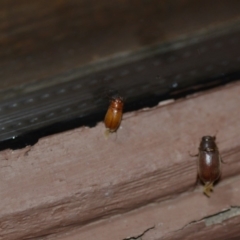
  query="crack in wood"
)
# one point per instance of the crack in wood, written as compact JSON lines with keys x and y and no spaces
{"x":222,"y":216}
{"x":139,"y":236}
{"x":215,"y":218}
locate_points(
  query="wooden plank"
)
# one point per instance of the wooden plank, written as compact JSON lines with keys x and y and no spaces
{"x":189,"y":216}
{"x":41,"y":40}
{"x":79,"y":177}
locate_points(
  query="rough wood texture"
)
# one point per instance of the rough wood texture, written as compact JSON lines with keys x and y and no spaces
{"x":41,"y":40}
{"x":189,"y":216}
{"x":78,"y":177}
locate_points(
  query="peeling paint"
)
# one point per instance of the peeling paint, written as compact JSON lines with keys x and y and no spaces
{"x":216,"y":218}
{"x":222,"y":216}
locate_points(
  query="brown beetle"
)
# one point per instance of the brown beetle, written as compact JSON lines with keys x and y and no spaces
{"x":113,"y":116}
{"x":209,"y":163}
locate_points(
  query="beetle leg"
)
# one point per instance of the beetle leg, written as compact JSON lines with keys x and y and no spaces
{"x":208,"y":188}
{"x":193,"y":155}
{"x":222,"y":161}
{"x":106,"y":133}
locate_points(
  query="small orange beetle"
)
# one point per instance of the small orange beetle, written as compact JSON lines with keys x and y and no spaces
{"x":113,"y":116}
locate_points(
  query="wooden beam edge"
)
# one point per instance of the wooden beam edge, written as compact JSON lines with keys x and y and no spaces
{"x":78,"y":177}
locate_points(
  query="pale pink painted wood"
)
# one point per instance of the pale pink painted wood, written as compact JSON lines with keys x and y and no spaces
{"x":187,"y":216}
{"x":78,"y":177}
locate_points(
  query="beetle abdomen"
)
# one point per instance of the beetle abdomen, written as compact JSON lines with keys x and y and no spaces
{"x":209,"y":163}
{"x":112,"y":119}
{"x":114,"y":113}
{"x":209,"y":168}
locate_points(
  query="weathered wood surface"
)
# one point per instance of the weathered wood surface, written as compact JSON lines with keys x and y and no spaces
{"x":78,"y":177}
{"x":188,"y":216}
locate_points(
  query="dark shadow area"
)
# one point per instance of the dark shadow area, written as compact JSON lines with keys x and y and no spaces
{"x":32,"y":137}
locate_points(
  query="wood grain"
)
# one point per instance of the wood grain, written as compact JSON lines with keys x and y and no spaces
{"x":79,"y":177}
{"x":189,"y":216}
